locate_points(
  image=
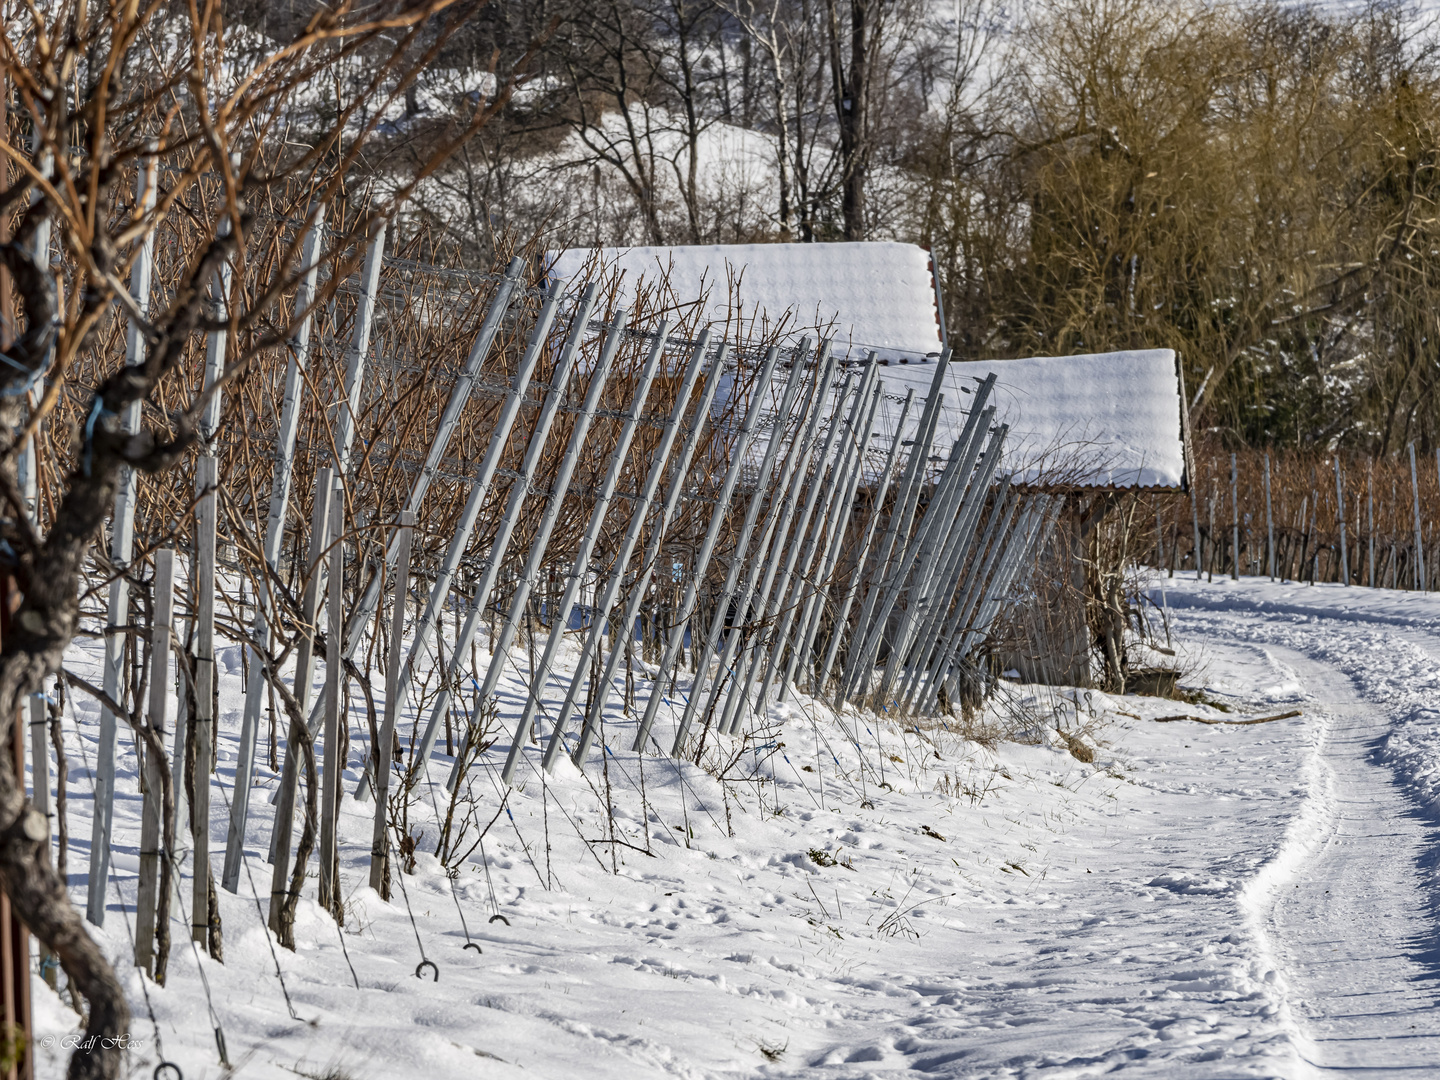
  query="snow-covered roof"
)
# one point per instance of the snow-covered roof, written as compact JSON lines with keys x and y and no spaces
{"x":1101,"y":420}
{"x":864,"y":296}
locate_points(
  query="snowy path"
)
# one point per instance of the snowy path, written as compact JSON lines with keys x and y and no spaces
{"x":1348,"y":909}
{"x":1356,"y":932}
{"x":941,"y":908}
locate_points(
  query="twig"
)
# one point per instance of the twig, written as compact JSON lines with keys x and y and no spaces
{"x":1206,"y":720}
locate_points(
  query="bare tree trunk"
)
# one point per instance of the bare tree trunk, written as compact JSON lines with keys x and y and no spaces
{"x":851,"y":89}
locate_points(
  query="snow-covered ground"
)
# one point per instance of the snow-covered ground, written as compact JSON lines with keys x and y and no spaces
{"x":859,"y":899}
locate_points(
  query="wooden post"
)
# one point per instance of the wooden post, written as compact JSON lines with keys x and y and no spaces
{"x":1195,"y":520}
{"x":151,"y":820}
{"x":1210,"y":531}
{"x":1269,"y":521}
{"x":207,"y":515}
{"x":1340,"y":511}
{"x":334,"y":693}
{"x":1419,"y":560}
{"x":202,"y":723}
{"x":1234,"y":522}
{"x":1159,"y":535}
{"x":379,"y":846}
{"x":1370,"y":517}
{"x":40,"y":765}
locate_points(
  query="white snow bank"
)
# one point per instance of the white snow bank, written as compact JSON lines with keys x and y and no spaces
{"x":861,"y":899}
{"x":1328,"y":600}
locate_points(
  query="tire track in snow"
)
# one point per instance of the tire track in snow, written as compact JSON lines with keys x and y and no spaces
{"x":1304,"y":836}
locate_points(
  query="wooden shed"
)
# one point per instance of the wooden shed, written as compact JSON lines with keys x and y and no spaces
{"x":1097,"y":428}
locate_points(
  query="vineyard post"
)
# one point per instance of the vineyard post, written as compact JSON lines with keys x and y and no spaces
{"x":1195,"y":521}
{"x":702,"y":647}
{"x":1234,"y":522}
{"x":848,"y":461}
{"x":718,"y":517}
{"x":1340,"y":512}
{"x":842,"y":615}
{"x":480,"y":487}
{"x":1370,"y":516}
{"x":535,"y":450}
{"x":1269,"y":520}
{"x":122,"y":542}
{"x":207,"y":514}
{"x":940,"y":513}
{"x":347,"y":410}
{"x":151,"y":819}
{"x":334,"y":698}
{"x":561,"y":616}
{"x":775,"y":526}
{"x":1159,"y":535}
{"x":520,"y":596}
{"x":810,"y":621}
{"x":600,"y":605}
{"x":449,"y":420}
{"x":952,"y":558}
{"x":600,"y":691}
{"x":284,"y":824}
{"x":959,"y":621}
{"x":897,"y":528}
{"x":289,"y":425}
{"x":767,"y":598}
{"x":955,"y":561}
{"x":379,"y":841}
{"x":1419,"y":548}
{"x":816,"y":509}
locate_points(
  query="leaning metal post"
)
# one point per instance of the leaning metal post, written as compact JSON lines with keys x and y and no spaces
{"x":844,"y":510}
{"x":500,"y":545}
{"x":601,"y":692}
{"x":449,"y":419}
{"x":520,"y":600}
{"x":707,"y":546}
{"x":705,"y":647}
{"x":638,"y":516}
{"x":842,"y":615}
{"x":579,"y":568}
{"x":480,"y":486}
